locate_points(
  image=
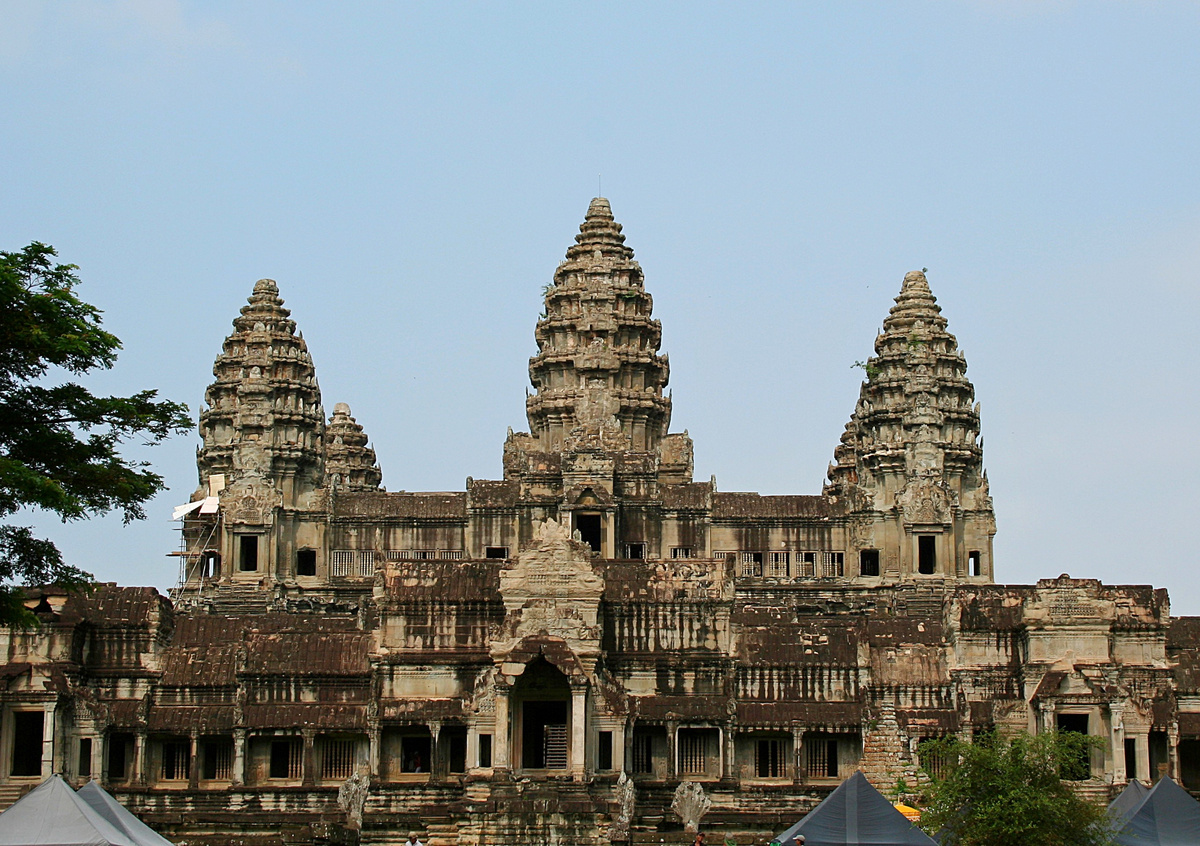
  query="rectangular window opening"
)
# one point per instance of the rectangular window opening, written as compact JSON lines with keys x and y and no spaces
{"x":1131,"y":759}
{"x":176,"y":760}
{"x":643,"y":753}
{"x":868,"y":562}
{"x":496,"y":552}
{"x":337,"y":759}
{"x":750,"y":564}
{"x":85,"y":758}
{"x":779,"y":564}
{"x":306,"y":562}
{"x":975,"y":561}
{"x":119,"y":746}
{"x":604,"y":751}
{"x":769,"y":760}
{"x":927,"y":554}
{"x":635,"y":551}
{"x":697,"y":751}
{"x":216,"y":759}
{"x":821,"y":756}
{"x":682,"y":552}
{"x":485,"y":750}
{"x":414,"y":753}
{"x":456,"y":752}
{"x":285,"y":758}
{"x":248,"y":553}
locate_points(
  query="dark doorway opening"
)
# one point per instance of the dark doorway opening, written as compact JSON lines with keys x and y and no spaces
{"x":306,"y":562}
{"x":927,"y":554}
{"x":415,"y":753}
{"x":1189,"y":763}
{"x":544,"y":735}
{"x":1131,"y":771}
{"x":588,"y":526}
{"x":27,"y":743}
{"x":868,"y":562}
{"x":455,"y":740}
{"x":1159,"y":762}
{"x":543,"y":696}
{"x":120,"y":751}
{"x":1080,"y":767}
{"x":248,"y":553}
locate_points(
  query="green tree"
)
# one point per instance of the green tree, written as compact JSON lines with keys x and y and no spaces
{"x":60,"y":444}
{"x":1004,"y":791}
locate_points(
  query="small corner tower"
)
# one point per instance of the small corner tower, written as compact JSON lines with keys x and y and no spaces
{"x":349,"y":462}
{"x":911,"y":456}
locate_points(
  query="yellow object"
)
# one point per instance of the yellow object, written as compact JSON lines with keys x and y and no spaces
{"x":910,"y":813}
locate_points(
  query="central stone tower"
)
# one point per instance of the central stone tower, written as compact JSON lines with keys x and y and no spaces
{"x":598,"y":372}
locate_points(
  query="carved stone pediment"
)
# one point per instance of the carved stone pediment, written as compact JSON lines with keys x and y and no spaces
{"x":250,"y":500}
{"x":551,"y":589}
{"x":925,"y":501}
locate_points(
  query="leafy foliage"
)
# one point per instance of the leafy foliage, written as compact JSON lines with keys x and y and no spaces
{"x":60,"y":444}
{"x":1002,"y":791}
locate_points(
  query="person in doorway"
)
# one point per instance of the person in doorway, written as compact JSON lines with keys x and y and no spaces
{"x":412,"y":840}
{"x":699,"y":841}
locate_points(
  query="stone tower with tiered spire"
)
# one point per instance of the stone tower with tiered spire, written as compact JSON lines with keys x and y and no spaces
{"x":598,"y":422}
{"x":267,"y":455}
{"x":349,"y":462}
{"x":911,"y":455}
{"x":598,"y":371}
{"x":264,"y":424}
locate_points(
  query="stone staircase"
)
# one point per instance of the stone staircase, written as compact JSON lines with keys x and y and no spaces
{"x":10,"y":793}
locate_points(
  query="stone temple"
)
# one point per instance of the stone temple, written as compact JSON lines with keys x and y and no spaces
{"x":550,"y":656}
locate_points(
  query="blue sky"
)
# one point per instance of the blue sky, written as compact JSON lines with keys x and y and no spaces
{"x":411,"y":175}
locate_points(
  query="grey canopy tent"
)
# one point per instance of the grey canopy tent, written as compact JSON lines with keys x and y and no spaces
{"x":855,"y":813}
{"x":1166,"y":816}
{"x":52,"y":814}
{"x":1125,"y":804}
{"x":117,"y":814}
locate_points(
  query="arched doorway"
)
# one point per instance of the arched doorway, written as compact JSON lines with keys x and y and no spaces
{"x":542,"y":717}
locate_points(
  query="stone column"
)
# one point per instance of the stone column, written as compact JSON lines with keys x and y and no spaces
{"x":1046,"y":717}
{"x":472,"y":747}
{"x":672,"y":762}
{"x":97,"y":762}
{"x":1173,"y":751}
{"x":140,"y":764}
{"x":618,"y":748}
{"x":1116,"y":713}
{"x":374,"y":750}
{"x":49,"y":764}
{"x":193,"y":762}
{"x":728,"y":745}
{"x":798,"y":772}
{"x":437,"y":766}
{"x":238,"y":776}
{"x":627,"y":744}
{"x":578,"y":731}
{"x":501,"y":741}
{"x":306,"y":760}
